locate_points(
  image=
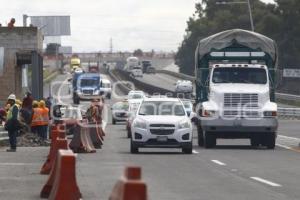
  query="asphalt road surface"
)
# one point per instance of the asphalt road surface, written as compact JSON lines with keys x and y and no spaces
{"x":233,"y":170}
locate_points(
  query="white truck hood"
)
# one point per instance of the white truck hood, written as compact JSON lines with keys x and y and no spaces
{"x":240,"y":88}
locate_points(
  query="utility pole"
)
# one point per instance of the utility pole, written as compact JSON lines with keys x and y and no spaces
{"x":250,"y":15}
{"x":111,"y":45}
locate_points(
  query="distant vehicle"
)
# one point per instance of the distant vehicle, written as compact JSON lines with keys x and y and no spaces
{"x":151,"y":70}
{"x":74,"y":63}
{"x":145,"y":65}
{"x":137,"y":71}
{"x":184,"y":86}
{"x":133,"y":107}
{"x":87,"y":86}
{"x":136,"y":94}
{"x":93,"y":67}
{"x":131,"y":62}
{"x":105,"y":88}
{"x":161,"y":123}
{"x":120,"y":112}
{"x":71,"y":117}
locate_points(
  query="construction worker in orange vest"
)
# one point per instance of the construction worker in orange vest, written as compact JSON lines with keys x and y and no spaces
{"x":45,"y":119}
{"x":37,"y":119}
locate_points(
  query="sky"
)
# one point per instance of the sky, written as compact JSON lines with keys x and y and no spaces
{"x":132,"y":24}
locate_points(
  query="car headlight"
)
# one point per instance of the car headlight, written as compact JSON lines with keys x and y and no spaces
{"x":140,"y":124}
{"x":208,"y":113}
{"x":270,"y":113}
{"x":184,"y":124}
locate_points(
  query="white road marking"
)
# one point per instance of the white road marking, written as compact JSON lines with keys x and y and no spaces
{"x":195,"y":152}
{"x":266,"y":181}
{"x":283,"y":146}
{"x":18,"y":164}
{"x":219,"y":162}
{"x":287,"y":137}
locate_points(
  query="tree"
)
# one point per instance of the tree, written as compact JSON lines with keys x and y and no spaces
{"x":280,"y":22}
{"x":138,"y":53}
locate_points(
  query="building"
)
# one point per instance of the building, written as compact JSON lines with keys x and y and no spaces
{"x":20,"y":48}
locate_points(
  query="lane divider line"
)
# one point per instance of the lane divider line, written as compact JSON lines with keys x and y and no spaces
{"x":283,"y":146}
{"x":265,"y":181}
{"x":219,"y":162}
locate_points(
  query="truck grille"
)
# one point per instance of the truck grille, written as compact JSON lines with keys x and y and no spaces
{"x":237,"y":100}
{"x":241,"y":113}
{"x":90,"y":92}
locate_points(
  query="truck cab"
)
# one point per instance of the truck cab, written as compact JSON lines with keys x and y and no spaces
{"x":87,"y":87}
{"x":235,"y":81}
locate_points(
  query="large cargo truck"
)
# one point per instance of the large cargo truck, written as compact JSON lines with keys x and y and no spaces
{"x":235,"y":88}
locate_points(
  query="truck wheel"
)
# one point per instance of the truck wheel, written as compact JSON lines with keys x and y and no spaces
{"x":133,"y":148}
{"x":209,"y":140}
{"x":270,"y":140}
{"x":108,"y":95}
{"x":113,"y":121}
{"x":200,"y":135}
{"x":255,"y":141}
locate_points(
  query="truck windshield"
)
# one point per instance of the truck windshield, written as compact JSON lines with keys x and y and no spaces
{"x":239,"y":75}
{"x":89,"y":82}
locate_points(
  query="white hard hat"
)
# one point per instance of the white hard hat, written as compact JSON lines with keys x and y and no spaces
{"x":12,"y":97}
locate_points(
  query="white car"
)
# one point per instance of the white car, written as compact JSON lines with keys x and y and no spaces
{"x":184,"y":86}
{"x":133,"y":107}
{"x":161,"y":123}
{"x":136,"y":94}
{"x":105,"y":88}
{"x":137,"y":71}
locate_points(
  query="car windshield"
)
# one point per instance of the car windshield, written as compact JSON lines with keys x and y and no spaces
{"x":239,"y":75}
{"x":89,"y":82}
{"x":162,"y":108}
{"x":121,"y":106}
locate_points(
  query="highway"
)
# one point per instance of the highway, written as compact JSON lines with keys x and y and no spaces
{"x":233,"y":170}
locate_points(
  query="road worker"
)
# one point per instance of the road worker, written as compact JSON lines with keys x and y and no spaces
{"x":11,"y":124}
{"x":37,"y":119}
{"x":45,"y":119}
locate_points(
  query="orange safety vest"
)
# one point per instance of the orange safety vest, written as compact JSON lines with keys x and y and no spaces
{"x":45,"y":116}
{"x":37,"y":117}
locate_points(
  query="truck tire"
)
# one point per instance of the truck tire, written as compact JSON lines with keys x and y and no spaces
{"x":108,"y":95}
{"x":200,"y":135}
{"x":113,"y":121}
{"x":210,"y":140}
{"x":270,"y":140}
{"x":133,"y":148}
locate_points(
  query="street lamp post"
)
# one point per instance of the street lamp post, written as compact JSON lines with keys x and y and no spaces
{"x":241,"y":2}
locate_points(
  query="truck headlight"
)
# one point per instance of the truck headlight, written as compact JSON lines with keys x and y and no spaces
{"x":140,"y":124}
{"x":184,"y":124}
{"x":270,"y":113}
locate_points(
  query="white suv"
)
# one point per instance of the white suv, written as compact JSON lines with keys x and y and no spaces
{"x":162,"y":123}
